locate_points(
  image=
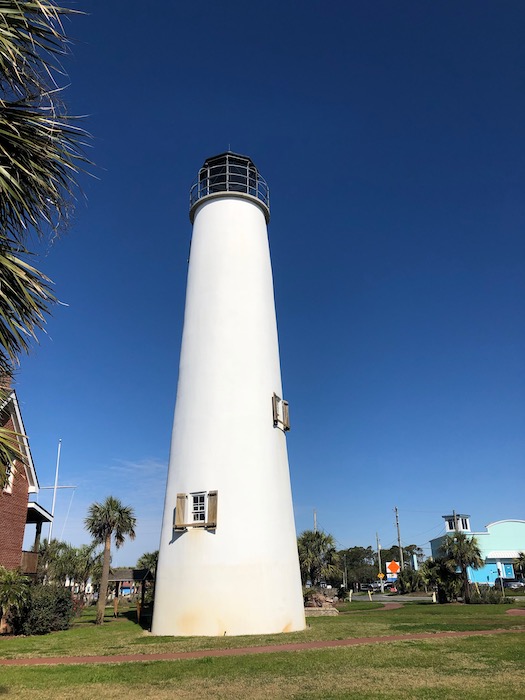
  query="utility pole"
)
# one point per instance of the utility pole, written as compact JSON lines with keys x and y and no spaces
{"x":315,"y":520}
{"x":399,"y":541}
{"x":379,"y":564}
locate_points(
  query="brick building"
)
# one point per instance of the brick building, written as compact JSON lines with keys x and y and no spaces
{"x":16,"y":508}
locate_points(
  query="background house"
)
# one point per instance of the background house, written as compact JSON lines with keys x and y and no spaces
{"x":16,"y":508}
{"x":129,"y":582}
{"x":500,"y":546}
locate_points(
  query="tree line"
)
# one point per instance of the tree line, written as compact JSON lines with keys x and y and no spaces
{"x":322,"y":564}
{"x":61,"y":565}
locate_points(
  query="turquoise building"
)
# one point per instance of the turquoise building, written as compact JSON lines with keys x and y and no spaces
{"x":500,"y":546}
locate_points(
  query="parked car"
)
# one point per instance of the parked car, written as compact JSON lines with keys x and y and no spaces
{"x":510,"y":583}
{"x":367,"y":586}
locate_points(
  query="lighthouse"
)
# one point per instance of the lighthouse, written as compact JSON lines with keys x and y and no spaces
{"x":228,"y":562}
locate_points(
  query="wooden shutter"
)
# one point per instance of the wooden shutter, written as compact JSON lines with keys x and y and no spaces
{"x":275,"y":409}
{"x":212,"y":509}
{"x":180,"y":512}
{"x":281,"y":413}
{"x":286,"y":416}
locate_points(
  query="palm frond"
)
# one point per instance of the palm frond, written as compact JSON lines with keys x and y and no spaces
{"x":24,"y":299}
{"x":31,"y":39}
{"x":41,"y":153}
{"x":40,"y":156}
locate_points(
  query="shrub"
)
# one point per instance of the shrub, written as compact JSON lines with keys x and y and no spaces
{"x":50,"y":608}
{"x":14,"y":593}
{"x":487,"y":595}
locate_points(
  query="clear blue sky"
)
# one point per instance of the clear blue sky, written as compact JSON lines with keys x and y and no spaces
{"x":392,"y":137}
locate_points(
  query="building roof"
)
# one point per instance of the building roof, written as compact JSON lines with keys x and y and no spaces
{"x":227,"y":154}
{"x":507,"y":520}
{"x":121,"y":573}
{"x":503,"y":554}
{"x":13,"y":407}
{"x":37,"y":514}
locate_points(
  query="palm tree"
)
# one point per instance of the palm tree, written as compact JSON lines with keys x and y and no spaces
{"x":14,"y":593}
{"x":40,"y":149}
{"x":40,"y":157}
{"x":461,"y":551}
{"x":149,"y":561}
{"x":318,"y":558}
{"x":519,"y":563}
{"x":52,"y":557}
{"x":437,"y":573}
{"x":106,"y":521}
{"x":409,"y":580}
{"x":87,"y":561}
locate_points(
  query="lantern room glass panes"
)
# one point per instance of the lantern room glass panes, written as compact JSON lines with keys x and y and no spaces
{"x":229,"y":172}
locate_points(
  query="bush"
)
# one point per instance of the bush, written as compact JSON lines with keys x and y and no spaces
{"x":488,"y":595}
{"x":49,"y":609}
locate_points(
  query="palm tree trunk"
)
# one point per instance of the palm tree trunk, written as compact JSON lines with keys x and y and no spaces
{"x":103,"y":591}
{"x":466,"y":586}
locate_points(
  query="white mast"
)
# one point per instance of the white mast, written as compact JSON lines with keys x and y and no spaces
{"x":228,"y":561}
{"x":54,"y":491}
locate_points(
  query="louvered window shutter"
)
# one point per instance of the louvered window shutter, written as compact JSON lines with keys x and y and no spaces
{"x":275,"y":407}
{"x":286,"y":416}
{"x":212,"y":509}
{"x":180,"y":511}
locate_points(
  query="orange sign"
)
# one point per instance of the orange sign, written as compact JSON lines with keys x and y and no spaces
{"x":393,"y":567}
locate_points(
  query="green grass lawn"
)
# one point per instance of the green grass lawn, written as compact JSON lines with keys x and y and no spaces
{"x":124,"y":636}
{"x":479,"y":668}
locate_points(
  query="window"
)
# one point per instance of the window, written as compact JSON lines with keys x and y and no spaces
{"x":199,"y":507}
{"x":203,"y":510}
{"x":281,"y":413}
{"x":459,"y":523}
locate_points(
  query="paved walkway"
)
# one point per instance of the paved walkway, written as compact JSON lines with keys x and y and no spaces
{"x":301,"y":646}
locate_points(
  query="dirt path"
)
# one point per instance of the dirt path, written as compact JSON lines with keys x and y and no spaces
{"x":302,"y":646}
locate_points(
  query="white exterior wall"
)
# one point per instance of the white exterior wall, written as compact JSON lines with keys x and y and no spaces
{"x":242,"y":577}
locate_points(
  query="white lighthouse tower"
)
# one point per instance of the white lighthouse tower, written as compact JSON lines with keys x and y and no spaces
{"x":228,"y":562}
